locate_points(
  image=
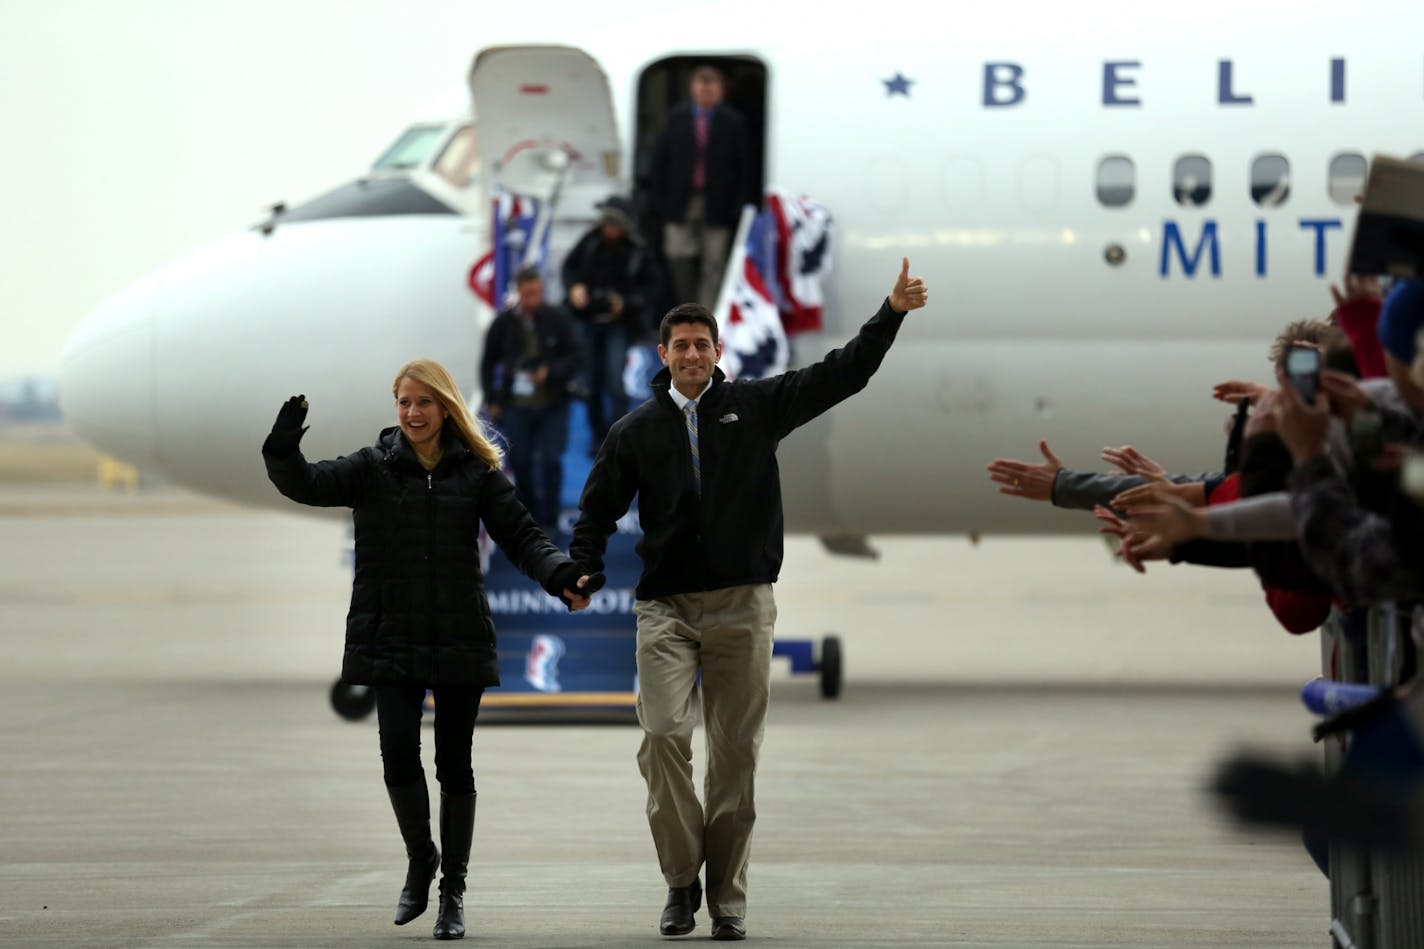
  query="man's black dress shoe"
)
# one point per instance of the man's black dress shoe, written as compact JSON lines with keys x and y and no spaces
{"x":729,"y":928}
{"x":682,"y":902}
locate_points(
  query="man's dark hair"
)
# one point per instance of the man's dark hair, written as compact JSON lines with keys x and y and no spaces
{"x":687,"y":313}
{"x":527,"y":273}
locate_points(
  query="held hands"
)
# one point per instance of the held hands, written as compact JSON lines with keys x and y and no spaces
{"x":1023,"y":480}
{"x":909,"y":293}
{"x":287,"y":430}
{"x":580,"y":597}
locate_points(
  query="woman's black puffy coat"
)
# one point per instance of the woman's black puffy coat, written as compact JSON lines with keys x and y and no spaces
{"x":418,"y":609}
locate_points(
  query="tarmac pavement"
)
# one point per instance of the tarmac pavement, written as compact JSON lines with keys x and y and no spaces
{"x":1017,"y":758}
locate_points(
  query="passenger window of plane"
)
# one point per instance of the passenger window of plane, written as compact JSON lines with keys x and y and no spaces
{"x":1117,"y":181}
{"x":1347,"y":177}
{"x":1191,"y":181}
{"x":459,"y":163}
{"x":1270,"y":180}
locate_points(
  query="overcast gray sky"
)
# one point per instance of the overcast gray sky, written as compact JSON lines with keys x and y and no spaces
{"x":136,"y":131}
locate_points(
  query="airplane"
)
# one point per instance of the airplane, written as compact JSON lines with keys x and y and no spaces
{"x":1112,"y":215}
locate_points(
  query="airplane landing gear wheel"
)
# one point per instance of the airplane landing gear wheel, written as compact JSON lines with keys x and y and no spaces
{"x":830,"y":667}
{"x":352,"y":702}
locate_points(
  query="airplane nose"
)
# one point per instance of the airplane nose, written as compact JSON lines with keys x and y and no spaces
{"x":106,"y":377}
{"x":181,"y":374}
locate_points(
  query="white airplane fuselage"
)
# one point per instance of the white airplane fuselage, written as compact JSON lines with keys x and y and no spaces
{"x":978,"y":155}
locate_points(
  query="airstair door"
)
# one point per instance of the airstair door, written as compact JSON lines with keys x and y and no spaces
{"x":547,"y":125}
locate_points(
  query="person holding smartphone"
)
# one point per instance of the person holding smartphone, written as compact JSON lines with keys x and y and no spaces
{"x":1366,"y":556}
{"x":419,"y":619}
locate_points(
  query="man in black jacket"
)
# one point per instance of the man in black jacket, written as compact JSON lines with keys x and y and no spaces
{"x":700,"y":177}
{"x":701,"y":458}
{"x":531,"y":355}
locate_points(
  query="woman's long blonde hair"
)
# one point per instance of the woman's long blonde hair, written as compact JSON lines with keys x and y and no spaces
{"x":430,"y":373}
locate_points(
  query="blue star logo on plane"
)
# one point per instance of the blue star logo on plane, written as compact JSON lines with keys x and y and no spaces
{"x":898,"y":85}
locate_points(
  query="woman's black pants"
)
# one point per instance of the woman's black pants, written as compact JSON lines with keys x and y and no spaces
{"x":398,"y":709}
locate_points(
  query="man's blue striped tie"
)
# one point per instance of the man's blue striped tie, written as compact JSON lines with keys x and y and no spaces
{"x":690,"y":411}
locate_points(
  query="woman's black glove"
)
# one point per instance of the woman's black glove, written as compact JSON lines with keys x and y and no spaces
{"x":567,"y":578}
{"x":287,"y":430}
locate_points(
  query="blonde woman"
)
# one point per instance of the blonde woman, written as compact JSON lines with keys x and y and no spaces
{"x":419,"y":617}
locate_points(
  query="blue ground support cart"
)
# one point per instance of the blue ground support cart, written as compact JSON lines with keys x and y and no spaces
{"x":805,"y":660}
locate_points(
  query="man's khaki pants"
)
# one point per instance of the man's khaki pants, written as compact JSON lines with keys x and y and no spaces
{"x":727,"y":634}
{"x":696,"y":254}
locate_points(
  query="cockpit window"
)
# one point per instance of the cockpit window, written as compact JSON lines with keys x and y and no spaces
{"x":459,"y":162}
{"x":377,"y":196}
{"x":411,"y":149}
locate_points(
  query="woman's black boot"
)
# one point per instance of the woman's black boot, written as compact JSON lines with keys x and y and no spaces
{"x":457,"y":830}
{"x":412,"y":807}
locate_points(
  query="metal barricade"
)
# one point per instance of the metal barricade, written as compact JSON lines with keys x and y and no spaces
{"x":1398,"y":878}
{"x":1376,"y":899}
{"x":1352,"y":901}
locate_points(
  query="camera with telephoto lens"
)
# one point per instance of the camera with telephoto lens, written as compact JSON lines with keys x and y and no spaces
{"x":600,"y":305}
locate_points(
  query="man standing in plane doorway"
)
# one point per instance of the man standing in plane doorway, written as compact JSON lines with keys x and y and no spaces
{"x":700,"y":179}
{"x":700,"y":455}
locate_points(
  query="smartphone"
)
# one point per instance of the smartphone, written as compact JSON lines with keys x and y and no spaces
{"x":1303,"y":371}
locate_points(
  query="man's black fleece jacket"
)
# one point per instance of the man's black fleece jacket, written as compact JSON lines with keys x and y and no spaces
{"x":731,"y":534}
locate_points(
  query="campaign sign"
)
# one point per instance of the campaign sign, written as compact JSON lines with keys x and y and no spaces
{"x":549,"y":656}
